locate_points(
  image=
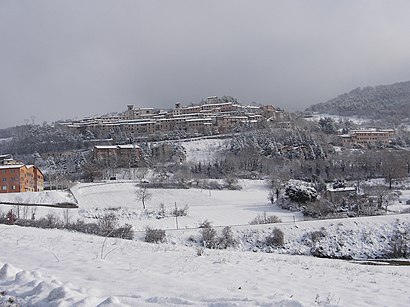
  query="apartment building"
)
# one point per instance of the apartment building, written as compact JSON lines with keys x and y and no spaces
{"x":18,"y":177}
{"x":368,"y":136}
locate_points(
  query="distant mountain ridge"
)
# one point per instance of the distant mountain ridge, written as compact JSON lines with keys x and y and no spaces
{"x":388,"y":102}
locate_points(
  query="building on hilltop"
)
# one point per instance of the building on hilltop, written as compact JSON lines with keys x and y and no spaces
{"x":213,"y":116}
{"x":15,"y":176}
{"x":367,"y":136}
{"x":118,"y":155}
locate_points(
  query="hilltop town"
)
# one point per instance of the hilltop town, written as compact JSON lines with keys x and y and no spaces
{"x":211,"y":117}
{"x":214,"y":178}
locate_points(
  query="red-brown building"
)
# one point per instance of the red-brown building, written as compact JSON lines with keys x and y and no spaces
{"x":20,"y":178}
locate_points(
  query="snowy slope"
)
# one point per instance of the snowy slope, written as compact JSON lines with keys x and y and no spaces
{"x":220,"y":207}
{"x":44,"y":197}
{"x":204,"y":149}
{"x":59,"y":268}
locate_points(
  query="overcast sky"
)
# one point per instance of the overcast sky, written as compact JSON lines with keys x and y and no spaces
{"x":74,"y":58}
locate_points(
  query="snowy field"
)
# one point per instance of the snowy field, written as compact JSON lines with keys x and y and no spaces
{"x":45,"y":197}
{"x":48,"y":267}
{"x":220,"y":207}
{"x":57,"y":268}
{"x":204,"y":150}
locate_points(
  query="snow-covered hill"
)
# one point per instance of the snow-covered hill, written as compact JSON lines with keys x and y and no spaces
{"x":48,"y":267}
{"x":59,"y":268}
{"x":379,"y":102}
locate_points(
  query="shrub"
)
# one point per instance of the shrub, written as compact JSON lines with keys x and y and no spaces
{"x":123,"y":232}
{"x":208,"y":235}
{"x":214,"y":185}
{"x":107,"y":224}
{"x":11,"y":218}
{"x":154,"y":235}
{"x":276,"y":238}
{"x":205,"y":224}
{"x":81,"y":226}
{"x":320,"y":208}
{"x":317,"y":235}
{"x":49,"y":221}
{"x":26,"y":223}
{"x":3,"y":219}
{"x":232,"y":183}
{"x":300,"y":191}
{"x":399,"y":244}
{"x":200,"y":251}
{"x":180,"y":212}
{"x":210,"y":239}
{"x":226,"y":240}
{"x":264,"y":219}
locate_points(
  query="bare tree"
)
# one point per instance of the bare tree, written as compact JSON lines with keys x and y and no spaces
{"x":380,"y":193}
{"x":143,"y":195}
{"x":393,"y":167}
{"x":140,"y":173}
{"x":66,"y":217}
{"x":276,"y":183}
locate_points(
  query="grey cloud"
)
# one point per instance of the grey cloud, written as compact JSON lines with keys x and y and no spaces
{"x":66,"y":59}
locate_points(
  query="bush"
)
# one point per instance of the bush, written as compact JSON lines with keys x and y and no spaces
{"x":49,"y":221}
{"x":320,"y":208}
{"x":317,"y":235}
{"x":226,"y":240}
{"x":3,"y":218}
{"x":300,"y":191}
{"x":11,"y":218}
{"x":180,"y":212}
{"x":154,"y":235}
{"x":107,"y":224}
{"x":264,"y":219}
{"x":205,"y":224}
{"x":27,"y":223}
{"x":208,"y":235}
{"x":200,"y":251}
{"x":232,"y":183}
{"x":123,"y":232}
{"x":399,"y":244}
{"x":214,"y":185}
{"x":276,"y":238}
{"x":210,"y":239}
{"x":81,"y":226}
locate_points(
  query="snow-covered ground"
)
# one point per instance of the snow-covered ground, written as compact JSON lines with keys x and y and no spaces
{"x":204,"y":150}
{"x":354,"y":119}
{"x":45,"y":197}
{"x":5,"y":140}
{"x":58,"y":268}
{"x":48,"y":267}
{"x":220,"y":207}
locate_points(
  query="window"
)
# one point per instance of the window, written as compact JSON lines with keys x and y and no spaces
{"x":13,"y":187}
{"x":3,"y":171}
{"x":4,"y":188}
{"x":4,"y":179}
{"x":12,"y":171}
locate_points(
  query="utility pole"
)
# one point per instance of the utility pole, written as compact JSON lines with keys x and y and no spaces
{"x":176,"y":215}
